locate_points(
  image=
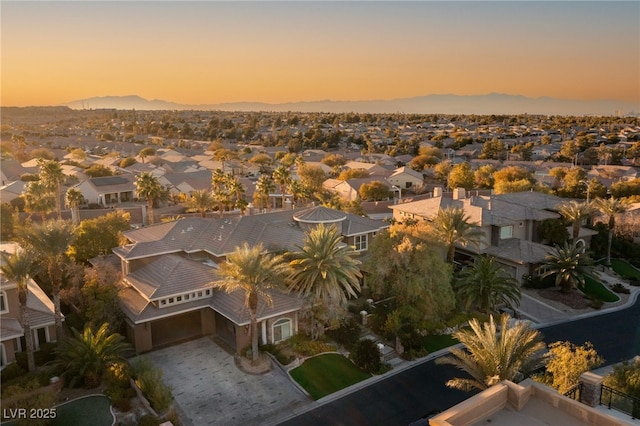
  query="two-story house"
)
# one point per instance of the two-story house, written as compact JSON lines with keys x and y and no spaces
{"x":39,"y":309}
{"x":509,"y":224}
{"x":169,"y":270}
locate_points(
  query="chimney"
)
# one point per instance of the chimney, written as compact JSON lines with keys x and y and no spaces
{"x":437,"y":192}
{"x":459,"y":194}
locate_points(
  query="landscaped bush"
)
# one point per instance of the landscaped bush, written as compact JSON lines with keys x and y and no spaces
{"x":619,"y":288}
{"x":366,"y":355}
{"x":28,"y":396}
{"x":11,"y":372}
{"x":149,"y":379}
{"x":278,"y":351}
{"x":305,"y":346}
{"x":119,"y":388}
{"x":41,"y":357}
{"x":149,"y":420}
{"x":347,"y":334}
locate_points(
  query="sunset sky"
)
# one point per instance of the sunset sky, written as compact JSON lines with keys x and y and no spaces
{"x":209,"y":52}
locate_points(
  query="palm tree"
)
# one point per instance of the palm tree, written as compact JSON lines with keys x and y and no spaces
{"x":610,"y":207}
{"x":88,"y":355}
{"x":264,"y":187}
{"x":254,"y":272}
{"x":487,"y":285}
{"x":451,"y":226}
{"x":282,"y":177}
{"x":201,"y":201}
{"x":495,"y":353}
{"x":52,"y":176}
{"x":569,"y":263}
{"x":325,"y":268}
{"x":49,"y":243}
{"x":38,"y":199}
{"x":73,"y":198}
{"x":221,"y":192}
{"x":19,"y":267}
{"x":237,"y":190}
{"x":575,"y":212}
{"x":149,"y":188}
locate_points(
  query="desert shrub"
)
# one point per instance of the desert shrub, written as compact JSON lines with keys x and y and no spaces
{"x":277,"y":351}
{"x":619,"y":288}
{"x":28,"y":396}
{"x":347,"y":334}
{"x":305,"y":346}
{"x":11,"y":372}
{"x":149,"y":420}
{"x":366,"y":356}
{"x":149,"y":379}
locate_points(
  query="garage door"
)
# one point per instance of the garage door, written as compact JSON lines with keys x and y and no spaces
{"x":175,"y":329}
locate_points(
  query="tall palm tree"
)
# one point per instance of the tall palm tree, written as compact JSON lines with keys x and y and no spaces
{"x":569,"y":264}
{"x":149,"y":187}
{"x":495,"y":353}
{"x":201,"y":201}
{"x":237,"y":190}
{"x":52,"y":176}
{"x":575,"y":212}
{"x":264,"y":187}
{"x":451,"y":226}
{"x":88,"y":355}
{"x":19,"y":267}
{"x":38,"y":199}
{"x":282,"y":177}
{"x":49,"y":243}
{"x":73,"y":199}
{"x":254,"y":272}
{"x":610,"y":207}
{"x":486,"y":285}
{"x":324,"y":268}
{"x":220,"y":183}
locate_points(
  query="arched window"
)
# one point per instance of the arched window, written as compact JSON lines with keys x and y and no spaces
{"x":281,"y":330}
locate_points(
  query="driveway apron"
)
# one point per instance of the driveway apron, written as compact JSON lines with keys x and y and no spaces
{"x":210,"y":390}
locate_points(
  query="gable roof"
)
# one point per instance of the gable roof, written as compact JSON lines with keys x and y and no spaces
{"x":171,"y":275}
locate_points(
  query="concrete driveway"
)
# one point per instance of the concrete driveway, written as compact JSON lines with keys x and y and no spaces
{"x":210,"y":390}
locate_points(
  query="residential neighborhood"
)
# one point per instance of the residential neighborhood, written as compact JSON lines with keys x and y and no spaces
{"x":264,"y":242}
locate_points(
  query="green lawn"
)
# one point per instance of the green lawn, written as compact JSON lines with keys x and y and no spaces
{"x":436,"y":342}
{"x":624,"y":269}
{"x":596,"y":289}
{"x":327,"y":373}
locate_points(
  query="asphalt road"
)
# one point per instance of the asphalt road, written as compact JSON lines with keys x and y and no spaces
{"x":411,"y":394}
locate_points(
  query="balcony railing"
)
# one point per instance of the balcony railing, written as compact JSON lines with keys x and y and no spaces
{"x":620,"y":401}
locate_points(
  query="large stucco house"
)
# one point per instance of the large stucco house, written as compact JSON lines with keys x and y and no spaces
{"x":169,"y":269}
{"x":39,"y":308}
{"x":509,"y":224}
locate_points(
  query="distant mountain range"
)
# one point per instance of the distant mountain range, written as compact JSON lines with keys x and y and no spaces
{"x":493,"y":103}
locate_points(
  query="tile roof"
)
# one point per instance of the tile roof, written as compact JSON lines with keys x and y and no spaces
{"x":520,"y":251}
{"x":171,"y":275}
{"x":220,"y":236}
{"x":230,"y":305}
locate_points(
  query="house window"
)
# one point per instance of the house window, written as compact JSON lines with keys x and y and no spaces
{"x":360,"y":242}
{"x":3,"y":302}
{"x":506,"y":232}
{"x":281,"y":330}
{"x":208,"y":292}
{"x":3,"y":356}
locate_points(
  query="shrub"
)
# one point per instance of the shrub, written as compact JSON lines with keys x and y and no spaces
{"x":304,"y":346}
{"x":634,"y":282}
{"x":619,"y":288}
{"x":149,"y":420}
{"x":366,"y":355}
{"x":11,"y":372}
{"x":149,"y":379}
{"x":347,"y":334}
{"x":28,"y":397}
{"x":275,"y":350}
